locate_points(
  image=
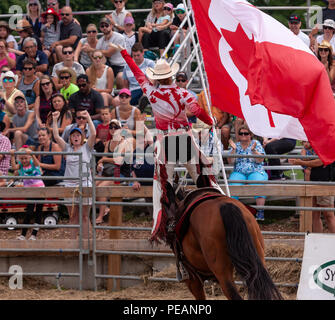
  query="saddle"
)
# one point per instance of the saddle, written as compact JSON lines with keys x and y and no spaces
{"x":186,"y":207}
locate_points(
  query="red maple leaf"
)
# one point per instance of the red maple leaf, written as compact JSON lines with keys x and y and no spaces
{"x":242,"y":50}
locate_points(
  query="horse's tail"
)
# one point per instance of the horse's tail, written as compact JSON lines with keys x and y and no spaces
{"x":244,"y":256}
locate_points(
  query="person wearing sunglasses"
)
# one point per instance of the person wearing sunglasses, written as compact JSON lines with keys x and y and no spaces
{"x":181,"y":82}
{"x":248,"y":168}
{"x":180,"y":15}
{"x":87,"y":98}
{"x":118,"y":15}
{"x":81,"y":122}
{"x":67,"y":78}
{"x":70,"y":33}
{"x":54,"y":4}
{"x":43,"y":101}
{"x":34,"y":11}
{"x":25,"y":30}
{"x":30,"y":48}
{"x":9,"y":81}
{"x":101,"y":76}
{"x":105,"y":43}
{"x":294,"y":24}
{"x":28,"y":83}
{"x":86,"y":46}
{"x":325,"y":55}
{"x":328,"y":29}
{"x":115,"y":165}
{"x":127,"y":114}
{"x":67,"y":62}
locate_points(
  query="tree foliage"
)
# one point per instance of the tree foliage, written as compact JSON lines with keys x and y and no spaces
{"x":93,"y":5}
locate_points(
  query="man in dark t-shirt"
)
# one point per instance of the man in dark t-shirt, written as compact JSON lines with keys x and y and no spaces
{"x":329,"y":11}
{"x":70,"y":33}
{"x":180,"y":16}
{"x":87,"y":98}
{"x":319,"y":172}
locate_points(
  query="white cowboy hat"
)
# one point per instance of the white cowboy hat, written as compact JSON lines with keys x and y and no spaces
{"x":162,"y":70}
{"x":9,"y":74}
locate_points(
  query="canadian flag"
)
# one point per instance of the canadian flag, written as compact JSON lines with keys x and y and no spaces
{"x":259,"y":70}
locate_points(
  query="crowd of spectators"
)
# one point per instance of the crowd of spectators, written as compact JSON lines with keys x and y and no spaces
{"x":62,"y":91}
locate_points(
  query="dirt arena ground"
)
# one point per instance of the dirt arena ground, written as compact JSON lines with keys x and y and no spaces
{"x":34,"y":289}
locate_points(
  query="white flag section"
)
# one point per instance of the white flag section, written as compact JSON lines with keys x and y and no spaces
{"x":227,"y":15}
{"x":317,"y":278}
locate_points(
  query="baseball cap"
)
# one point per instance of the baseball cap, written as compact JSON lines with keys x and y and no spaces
{"x":105,"y":20}
{"x":76,"y":129}
{"x":169,"y":5}
{"x":126,"y":91}
{"x":181,"y":74}
{"x":180,"y":6}
{"x":20,"y":96}
{"x":128,"y":20}
{"x":294,"y":18}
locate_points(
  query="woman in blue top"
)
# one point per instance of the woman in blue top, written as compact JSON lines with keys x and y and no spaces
{"x":248,"y":168}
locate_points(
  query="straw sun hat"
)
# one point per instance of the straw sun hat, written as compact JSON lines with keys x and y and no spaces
{"x":162,"y":70}
{"x":326,"y":45}
{"x":69,"y":71}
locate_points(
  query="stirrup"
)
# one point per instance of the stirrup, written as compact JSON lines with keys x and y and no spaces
{"x":182,"y":273}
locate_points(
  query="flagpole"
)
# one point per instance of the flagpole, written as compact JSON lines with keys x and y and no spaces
{"x":216,"y":140}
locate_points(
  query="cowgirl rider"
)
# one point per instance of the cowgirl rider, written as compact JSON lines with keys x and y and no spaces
{"x":175,"y":142}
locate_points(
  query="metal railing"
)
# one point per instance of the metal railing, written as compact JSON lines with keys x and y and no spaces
{"x":95,"y":251}
{"x":78,"y":202}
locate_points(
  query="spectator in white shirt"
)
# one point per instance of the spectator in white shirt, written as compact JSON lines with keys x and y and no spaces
{"x":294,"y":23}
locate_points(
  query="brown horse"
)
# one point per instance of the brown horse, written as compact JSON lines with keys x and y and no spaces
{"x":222,"y":234}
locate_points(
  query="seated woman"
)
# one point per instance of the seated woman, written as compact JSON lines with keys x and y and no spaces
{"x":248,"y":168}
{"x":325,"y":55}
{"x":127,"y":114}
{"x":328,"y":28}
{"x":42,"y":107}
{"x":159,"y":38}
{"x":58,"y":103}
{"x":110,"y":166}
{"x":86,"y":46}
{"x":101,"y":76}
{"x":53,"y":164}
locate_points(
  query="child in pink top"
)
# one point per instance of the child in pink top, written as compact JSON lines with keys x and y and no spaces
{"x":27,"y":165}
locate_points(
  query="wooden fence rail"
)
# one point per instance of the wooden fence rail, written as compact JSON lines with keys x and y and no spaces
{"x":304,"y":194}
